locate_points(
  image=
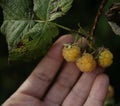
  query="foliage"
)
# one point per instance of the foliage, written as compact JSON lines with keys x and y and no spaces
{"x":83,"y":12}
{"x":28,"y":27}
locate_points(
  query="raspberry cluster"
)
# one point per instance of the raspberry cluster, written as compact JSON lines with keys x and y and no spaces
{"x":87,"y":61}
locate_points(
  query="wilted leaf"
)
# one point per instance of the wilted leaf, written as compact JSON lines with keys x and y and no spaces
{"x":28,"y":40}
{"x":27,"y":26}
{"x":113,"y":16}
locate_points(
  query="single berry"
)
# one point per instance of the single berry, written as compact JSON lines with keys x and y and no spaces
{"x":71,"y":52}
{"x":86,"y":63}
{"x":110,"y":93}
{"x":105,"y":58}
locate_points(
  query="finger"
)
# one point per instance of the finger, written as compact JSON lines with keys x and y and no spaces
{"x":82,"y":88}
{"x":63,"y":85}
{"x":98,"y":92}
{"x":44,"y":73}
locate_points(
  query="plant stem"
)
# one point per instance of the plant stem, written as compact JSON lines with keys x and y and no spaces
{"x":82,"y":33}
{"x":99,"y":12}
{"x":63,"y":27}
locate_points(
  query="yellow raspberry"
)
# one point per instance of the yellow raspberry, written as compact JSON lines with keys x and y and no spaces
{"x":110,"y":93}
{"x":71,"y":52}
{"x":86,"y":63}
{"x":105,"y":58}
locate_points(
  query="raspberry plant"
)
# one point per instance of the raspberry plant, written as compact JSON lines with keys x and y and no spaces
{"x":30,"y":26}
{"x":90,"y":56}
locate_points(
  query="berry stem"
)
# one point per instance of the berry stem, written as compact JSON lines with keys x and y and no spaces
{"x":90,"y":45}
{"x":76,"y":37}
{"x":99,"y":12}
{"x":80,"y":33}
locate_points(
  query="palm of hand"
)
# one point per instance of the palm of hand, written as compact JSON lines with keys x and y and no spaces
{"x":46,"y":86}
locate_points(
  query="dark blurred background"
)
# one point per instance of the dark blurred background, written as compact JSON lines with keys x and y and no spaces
{"x":83,"y":12}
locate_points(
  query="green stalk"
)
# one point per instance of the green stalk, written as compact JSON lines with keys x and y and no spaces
{"x":63,"y":27}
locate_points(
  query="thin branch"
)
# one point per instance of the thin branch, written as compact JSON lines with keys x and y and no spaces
{"x":99,"y":12}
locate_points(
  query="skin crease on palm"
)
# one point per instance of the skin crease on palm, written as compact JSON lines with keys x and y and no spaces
{"x":69,"y":88}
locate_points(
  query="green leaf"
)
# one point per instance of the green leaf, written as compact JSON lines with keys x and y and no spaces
{"x":115,"y":27}
{"x":27,"y":26}
{"x":28,"y":40}
{"x":16,"y":9}
{"x":113,"y":16}
{"x":49,"y":10}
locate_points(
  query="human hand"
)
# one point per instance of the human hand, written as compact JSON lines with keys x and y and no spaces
{"x":55,"y":82}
